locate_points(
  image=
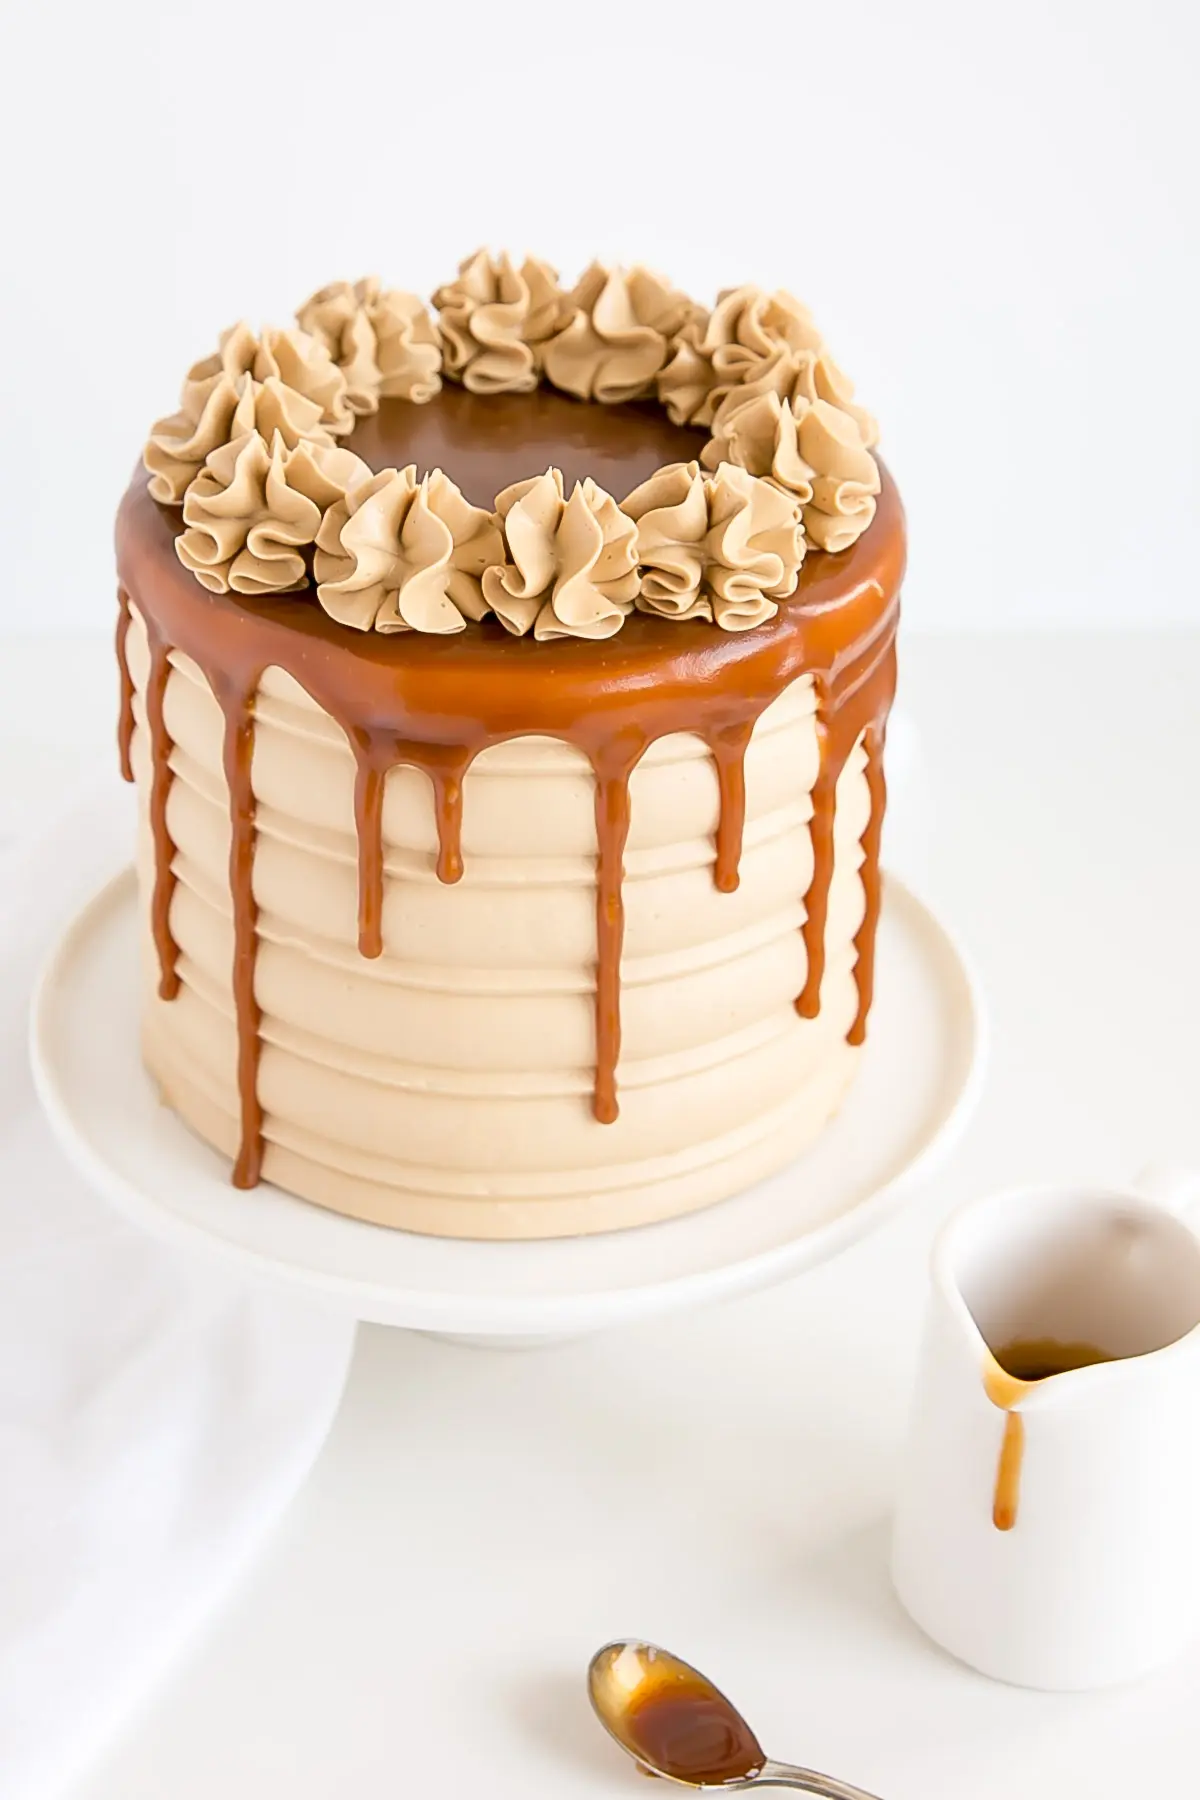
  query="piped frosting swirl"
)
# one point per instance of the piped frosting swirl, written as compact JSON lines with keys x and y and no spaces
{"x":724,"y":548}
{"x":398,"y":554}
{"x":749,"y":336}
{"x":812,"y":449}
{"x":254,"y":509}
{"x":252,"y":451}
{"x":383,"y":340}
{"x":618,"y":334}
{"x":294,"y":357}
{"x":571,"y":564}
{"x":494,"y":319}
{"x":216,"y":409}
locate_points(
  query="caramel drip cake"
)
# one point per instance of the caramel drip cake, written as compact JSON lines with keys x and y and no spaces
{"x":505,"y":687}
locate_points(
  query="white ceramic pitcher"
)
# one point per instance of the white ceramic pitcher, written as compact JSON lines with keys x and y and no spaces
{"x":1048,"y":1533}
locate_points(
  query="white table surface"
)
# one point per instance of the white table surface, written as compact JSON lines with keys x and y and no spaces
{"x":481,"y":1520}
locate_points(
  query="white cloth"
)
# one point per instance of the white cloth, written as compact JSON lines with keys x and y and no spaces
{"x":155,"y":1417}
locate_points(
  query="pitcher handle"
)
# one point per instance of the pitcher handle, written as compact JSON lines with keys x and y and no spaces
{"x":1172,"y":1186}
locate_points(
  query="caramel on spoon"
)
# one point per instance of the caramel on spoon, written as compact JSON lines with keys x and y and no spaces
{"x":676,"y":1724}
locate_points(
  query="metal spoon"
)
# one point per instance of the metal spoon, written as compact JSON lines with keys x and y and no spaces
{"x":676,"y":1724}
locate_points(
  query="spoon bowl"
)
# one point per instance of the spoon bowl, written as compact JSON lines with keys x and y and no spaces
{"x":678,"y":1725}
{"x":669,"y":1717}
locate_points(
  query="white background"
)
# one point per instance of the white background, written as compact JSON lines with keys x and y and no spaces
{"x":992,"y":211}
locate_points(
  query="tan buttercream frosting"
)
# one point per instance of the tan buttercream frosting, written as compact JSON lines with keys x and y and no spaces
{"x":217,"y":409}
{"x":398,"y":554}
{"x":748,"y":334}
{"x":476,"y":995}
{"x":723,"y":548}
{"x":571,"y":564}
{"x":253,"y":509}
{"x":493,"y":320}
{"x":383,"y":340}
{"x":295,"y":357}
{"x":760,"y":435}
{"x":825,"y":381}
{"x":845,"y":475}
{"x":179,"y":444}
{"x":789,"y":456}
{"x":754,"y":343}
{"x":813,"y":449}
{"x":618,"y":334}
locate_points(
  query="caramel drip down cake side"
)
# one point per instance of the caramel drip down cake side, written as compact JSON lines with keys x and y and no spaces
{"x":506,"y":694}
{"x":449,"y":1083}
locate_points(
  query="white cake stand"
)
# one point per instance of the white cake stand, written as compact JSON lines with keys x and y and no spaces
{"x":919,"y":1081}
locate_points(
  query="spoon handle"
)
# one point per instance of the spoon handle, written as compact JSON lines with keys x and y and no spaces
{"x":807,"y":1781}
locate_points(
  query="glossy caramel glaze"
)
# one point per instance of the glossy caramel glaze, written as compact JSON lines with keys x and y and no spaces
{"x":436,"y":702}
{"x":484,"y":442}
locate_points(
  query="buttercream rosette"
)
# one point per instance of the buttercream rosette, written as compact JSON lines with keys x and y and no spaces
{"x":254,"y":509}
{"x":748,"y":335}
{"x":570,"y":564}
{"x":618,"y":335}
{"x":812,"y":449}
{"x":282,"y":381}
{"x":754,"y":343}
{"x":801,"y":377}
{"x":294,"y":357}
{"x":398,"y":554}
{"x":383,"y":340}
{"x":252,"y":455}
{"x":216,"y":410}
{"x":724,"y":548}
{"x":760,"y":435}
{"x":494,"y":319}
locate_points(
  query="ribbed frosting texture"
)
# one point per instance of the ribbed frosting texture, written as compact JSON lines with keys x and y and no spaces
{"x":446,"y":1085}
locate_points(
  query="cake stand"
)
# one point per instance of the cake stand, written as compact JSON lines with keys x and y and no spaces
{"x":919,"y":1081}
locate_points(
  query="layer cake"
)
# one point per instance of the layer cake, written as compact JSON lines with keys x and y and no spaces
{"x":510,"y":759}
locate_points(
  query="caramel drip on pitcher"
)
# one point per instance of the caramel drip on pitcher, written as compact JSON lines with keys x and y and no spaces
{"x":1006,"y":1392}
{"x":434,"y":704}
{"x":1008,"y":1473}
{"x":1009,"y":1374}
